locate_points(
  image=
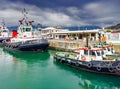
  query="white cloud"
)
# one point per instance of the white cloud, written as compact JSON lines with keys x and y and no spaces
{"x":103,"y":12}
{"x":73,"y":10}
{"x":96,"y":13}
{"x":12,"y":13}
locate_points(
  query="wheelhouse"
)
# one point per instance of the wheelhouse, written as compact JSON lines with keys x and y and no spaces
{"x":90,"y":54}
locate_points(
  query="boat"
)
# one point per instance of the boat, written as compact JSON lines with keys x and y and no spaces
{"x":26,"y":39}
{"x":108,"y":49}
{"x":90,"y":59}
{"x":4,"y":33}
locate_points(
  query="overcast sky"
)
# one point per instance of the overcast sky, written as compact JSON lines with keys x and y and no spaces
{"x":62,"y":12}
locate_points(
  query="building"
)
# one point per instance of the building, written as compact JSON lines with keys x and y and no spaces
{"x":113,"y":37}
{"x":61,"y":34}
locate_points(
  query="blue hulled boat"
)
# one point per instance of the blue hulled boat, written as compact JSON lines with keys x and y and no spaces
{"x":91,"y":59}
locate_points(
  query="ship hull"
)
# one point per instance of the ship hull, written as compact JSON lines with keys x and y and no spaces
{"x":101,"y":67}
{"x":3,"y":39}
{"x":28,"y":46}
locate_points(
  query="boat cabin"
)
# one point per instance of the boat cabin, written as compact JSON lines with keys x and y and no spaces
{"x":87,"y":54}
{"x":107,"y":48}
{"x":4,"y":32}
{"x":25,"y":30}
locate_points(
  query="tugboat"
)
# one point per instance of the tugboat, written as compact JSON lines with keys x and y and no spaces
{"x":4,"y":33}
{"x":90,"y":59}
{"x":108,"y":49}
{"x":25,"y":39}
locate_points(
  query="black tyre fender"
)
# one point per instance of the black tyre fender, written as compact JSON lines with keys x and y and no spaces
{"x":89,"y":65}
{"x":118,"y":67}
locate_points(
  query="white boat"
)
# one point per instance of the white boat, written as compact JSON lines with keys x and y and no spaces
{"x":4,"y":33}
{"x":25,"y":39}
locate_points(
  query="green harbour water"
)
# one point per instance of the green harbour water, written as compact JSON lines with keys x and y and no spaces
{"x":39,"y":71}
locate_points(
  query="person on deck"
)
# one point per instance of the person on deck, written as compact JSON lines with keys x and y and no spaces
{"x":104,"y":39}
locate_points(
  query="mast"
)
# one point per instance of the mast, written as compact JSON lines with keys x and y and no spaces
{"x":24,"y":12}
{"x":99,"y":37}
{"x":87,"y":40}
{"x":3,"y":23}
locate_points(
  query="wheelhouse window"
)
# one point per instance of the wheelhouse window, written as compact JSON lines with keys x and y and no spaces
{"x":4,"y":31}
{"x":86,"y":52}
{"x":108,"y":49}
{"x":102,"y":52}
{"x":25,"y":29}
{"x":92,"y":53}
{"x":98,"y":54}
{"x":28,"y":29}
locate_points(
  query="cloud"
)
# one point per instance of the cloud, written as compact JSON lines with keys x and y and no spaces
{"x":103,"y":12}
{"x":94,"y":13}
{"x":11,"y":11}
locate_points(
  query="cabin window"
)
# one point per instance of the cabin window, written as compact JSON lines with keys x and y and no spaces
{"x":4,"y":30}
{"x":102,"y":52}
{"x":86,"y":52}
{"x":28,"y":29}
{"x":23,"y":30}
{"x":92,"y":53}
{"x":98,"y":53}
{"x":108,"y":49}
{"x":111,"y":49}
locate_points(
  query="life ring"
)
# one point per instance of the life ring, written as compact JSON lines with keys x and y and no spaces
{"x":83,"y":58}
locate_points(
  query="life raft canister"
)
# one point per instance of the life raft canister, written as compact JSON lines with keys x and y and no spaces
{"x":83,"y":58}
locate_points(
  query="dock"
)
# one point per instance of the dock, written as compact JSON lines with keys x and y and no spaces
{"x":68,"y":45}
{"x":73,"y":45}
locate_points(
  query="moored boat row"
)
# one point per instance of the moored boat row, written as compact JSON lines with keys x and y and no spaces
{"x":100,"y":58}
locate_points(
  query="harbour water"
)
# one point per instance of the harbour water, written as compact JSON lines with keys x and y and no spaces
{"x":39,"y":71}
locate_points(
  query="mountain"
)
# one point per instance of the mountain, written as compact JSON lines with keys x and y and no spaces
{"x":115,"y":27}
{"x":13,"y":28}
{"x":71,"y":28}
{"x":82,"y":28}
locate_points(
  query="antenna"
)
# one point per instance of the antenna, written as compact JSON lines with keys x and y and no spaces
{"x":3,"y":22}
{"x":24,"y":12}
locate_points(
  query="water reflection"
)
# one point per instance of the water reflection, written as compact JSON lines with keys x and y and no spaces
{"x":89,"y":80}
{"x":29,"y":57}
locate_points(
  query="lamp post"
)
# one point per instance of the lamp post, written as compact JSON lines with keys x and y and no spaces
{"x":99,"y":37}
{"x":86,"y":35}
